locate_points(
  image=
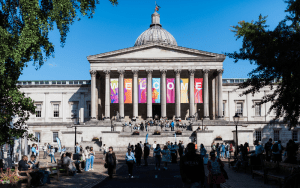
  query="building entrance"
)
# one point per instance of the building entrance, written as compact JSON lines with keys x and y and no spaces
{"x":156,"y":110}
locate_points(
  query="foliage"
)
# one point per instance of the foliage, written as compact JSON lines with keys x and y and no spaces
{"x":156,"y":132}
{"x":136,"y":133}
{"x":8,"y":177}
{"x":178,"y":132}
{"x":95,"y":138}
{"x":24,"y":28}
{"x":277,"y":55}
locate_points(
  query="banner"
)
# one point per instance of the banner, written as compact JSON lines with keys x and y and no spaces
{"x":155,"y":90}
{"x":142,"y":90}
{"x":128,"y":90}
{"x":170,"y":90}
{"x":146,"y":141}
{"x":114,"y":90}
{"x":184,"y":86}
{"x":198,"y":90}
{"x":59,"y":144}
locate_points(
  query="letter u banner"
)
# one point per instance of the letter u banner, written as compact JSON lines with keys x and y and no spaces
{"x":128,"y":90}
{"x":198,"y":90}
{"x":170,"y":90}
{"x":114,"y":90}
{"x":142,"y":90}
{"x":155,"y":90}
{"x":184,"y":89}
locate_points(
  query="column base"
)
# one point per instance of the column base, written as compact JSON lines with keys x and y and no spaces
{"x":220,"y":117}
{"x":93,"y":119}
{"x":206,"y":118}
{"x":106,"y":118}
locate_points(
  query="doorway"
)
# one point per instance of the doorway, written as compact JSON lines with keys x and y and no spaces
{"x":156,"y":110}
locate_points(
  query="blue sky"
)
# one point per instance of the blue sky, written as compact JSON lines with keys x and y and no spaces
{"x":198,"y":24}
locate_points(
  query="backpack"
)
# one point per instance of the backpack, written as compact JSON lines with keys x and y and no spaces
{"x":275,"y":148}
{"x":226,"y":147}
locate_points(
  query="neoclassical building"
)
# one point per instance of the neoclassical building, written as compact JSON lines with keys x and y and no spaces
{"x":155,"y":77}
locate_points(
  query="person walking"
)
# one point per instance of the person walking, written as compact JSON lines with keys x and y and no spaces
{"x":223,"y":150}
{"x":218,"y":150}
{"x":172,"y":126}
{"x":33,"y":150}
{"x":87,"y":158}
{"x":104,"y":150}
{"x":146,"y":154}
{"x":77,"y":148}
{"x":138,"y":155}
{"x":173,"y":154}
{"x":268,"y":147}
{"x":202,"y":151}
{"x":130,"y":160}
{"x":166,"y":157}
{"x":276,"y":151}
{"x":180,"y":149}
{"x":227,"y":150}
{"x":157,"y":152}
{"x":214,"y":166}
{"x":230,"y":149}
{"x":153,"y":147}
{"x":45,"y":151}
{"x":92,"y":157}
{"x":111,"y":161}
{"x":52,"y":151}
{"x":192,"y":168}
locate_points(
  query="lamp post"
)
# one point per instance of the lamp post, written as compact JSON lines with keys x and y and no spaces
{"x":156,"y":118}
{"x":236,"y":119}
{"x":75,"y":123}
{"x":202,"y":123}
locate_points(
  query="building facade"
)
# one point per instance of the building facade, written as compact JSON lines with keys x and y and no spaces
{"x":155,"y":78}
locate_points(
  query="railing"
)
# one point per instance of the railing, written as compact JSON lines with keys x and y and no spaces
{"x":55,"y":82}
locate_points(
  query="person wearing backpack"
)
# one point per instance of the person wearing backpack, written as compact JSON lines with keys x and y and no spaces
{"x":276,"y":151}
{"x":268,"y":147}
{"x":146,"y":154}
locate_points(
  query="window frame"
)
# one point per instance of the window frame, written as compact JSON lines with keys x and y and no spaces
{"x":242,"y":108}
{"x":258,"y":134}
{"x":275,"y":132}
{"x":296,"y":135}
{"x":53,"y":103}
{"x":54,"y":139}
{"x":41,"y":109}
{"x":256,"y":104}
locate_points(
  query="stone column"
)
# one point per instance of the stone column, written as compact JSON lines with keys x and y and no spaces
{"x":149,"y":94}
{"x":220,"y":98}
{"x":81,"y":107}
{"x":163,"y":93}
{"x":46,"y":107}
{"x":107,"y":94}
{"x":213,"y":99}
{"x":93,"y":90}
{"x":205,"y":101}
{"x":192,"y":94}
{"x":135,"y":93}
{"x":177,"y":94}
{"x":121,"y":93}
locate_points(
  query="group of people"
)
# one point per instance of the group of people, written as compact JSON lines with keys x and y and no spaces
{"x":223,"y":150}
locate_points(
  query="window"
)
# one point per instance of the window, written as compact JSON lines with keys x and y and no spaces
{"x":239,"y":108}
{"x":38,"y":136}
{"x":74,"y":108}
{"x":38,"y":110}
{"x":295,"y":135}
{"x":55,"y":110}
{"x":55,"y":135}
{"x":258,"y":135}
{"x":257,"y":109}
{"x":89,"y":106}
{"x":276,"y":135}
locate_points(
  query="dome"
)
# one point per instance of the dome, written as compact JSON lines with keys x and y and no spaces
{"x":155,"y":34}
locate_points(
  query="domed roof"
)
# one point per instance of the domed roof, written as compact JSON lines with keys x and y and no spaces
{"x":155,"y":34}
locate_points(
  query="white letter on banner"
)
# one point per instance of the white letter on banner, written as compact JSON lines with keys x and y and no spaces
{"x":128,"y":86}
{"x":184,"y":87}
{"x":198,"y":85}
{"x":156,"y":85}
{"x":170,"y":85}
{"x":141,"y":86}
{"x":114,"y":85}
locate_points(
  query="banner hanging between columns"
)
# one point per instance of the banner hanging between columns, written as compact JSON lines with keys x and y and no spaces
{"x":170,"y":90}
{"x":128,"y":90}
{"x":142,"y":90}
{"x":114,"y":90}
{"x":184,"y":86}
{"x":198,"y":90}
{"x":155,"y":90}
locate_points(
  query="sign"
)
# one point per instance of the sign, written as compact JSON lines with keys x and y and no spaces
{"x":170,"y":90}
{"x":184,"y":86}
{"x":128,"y":90}
{"x":142,"y":90}
{"x":198,"y":90}
{"x":114,"y":90}
{"x":155,"y":90}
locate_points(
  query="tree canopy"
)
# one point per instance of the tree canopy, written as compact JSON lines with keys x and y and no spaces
{"x":277,"y":56}
{"x":24,"y":29}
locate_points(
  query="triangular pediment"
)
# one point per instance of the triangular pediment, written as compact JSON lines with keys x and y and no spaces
{"x":156,"y":51}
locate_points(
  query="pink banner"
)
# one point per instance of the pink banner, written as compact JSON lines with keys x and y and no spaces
{"x":198,"y":90}
{"x":142,"y":90}
{"x":170,"y":90}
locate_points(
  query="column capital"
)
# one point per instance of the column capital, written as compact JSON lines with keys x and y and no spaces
{"x":220,"y":71}
{"x":192,"y":72}
{"x":163,"y":71}
{"x":206,"y":71}
{"x":149,"y":71}
{"x":93,"y":72}
{"x":135,"y":72}
{"x":177,"y":71}
{"x":121,"y":72}
{"x":107,"y":72}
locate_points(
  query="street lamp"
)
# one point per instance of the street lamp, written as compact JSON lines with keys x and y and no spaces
{"x":202,"y":123}
{"x":76,"y":122}
{"x":236,"y":119}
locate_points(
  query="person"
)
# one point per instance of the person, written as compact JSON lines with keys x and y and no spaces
{"x":67,"y":161}
{"x":49,"y":148}
{"x":218,"y":150}
{"x":230,"y":149}
{"x":268,"y":147}
{"x":138,"y":154}
{"x":214,"y":167}
{"x":63,"y":149}
{"x":202,"y":151}
{"x":52,"y":151}
{"x":213,"y":147}
{"x":173,"y":154}
{"x":23,"y":165}
{"x":92,"y":157}
{"x":153,"y":147}
{"x":227,"y":150}
{"x":180,"y":149}
{"x":146,"y":126}
{"x":146,"y":154}
{"x":63,"y":156}
{"x":130,"y":124}
{"x":77,"y":148}
{"x":33,"y":164}
{"x":105,"y":150}
{"x":255,"y":158}
{"x":291,"y":152}
{"x":276,"y":151}
{"x":157,"y":152}
{"x":111,"y":161}
{"x":166,"y":157}
{"x":192,"y":168}
{"x":87,"y":158}
{"x":223,"y":151}
{"x":33,"y":150}
{"x":245,"y":150}
{"x":172,"y":126}
{"x":45,"y":151}
{"x":130,"y":160}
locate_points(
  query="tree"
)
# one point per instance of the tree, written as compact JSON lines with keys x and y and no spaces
{"x":277,"y":55}
{"x":24,"y":28}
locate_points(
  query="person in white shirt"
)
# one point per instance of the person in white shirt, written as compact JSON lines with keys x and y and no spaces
{"x":45,"y":151}
{"x":153,"y":147}
{"x":68,"y":161}
{"x":130,"y":160}
{"x":87,"y":158}
{"x":52,"y":151}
